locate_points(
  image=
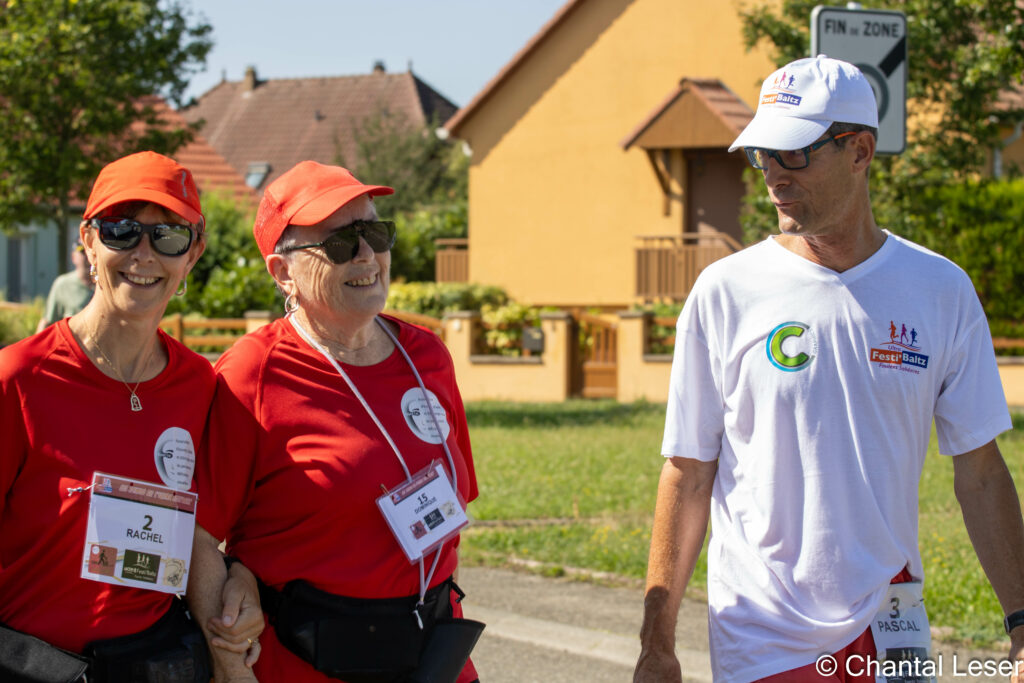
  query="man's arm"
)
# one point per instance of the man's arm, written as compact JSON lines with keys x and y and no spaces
{"x":991,"y":510}
{"x":680,"y":524}
{"x":226,"y":608}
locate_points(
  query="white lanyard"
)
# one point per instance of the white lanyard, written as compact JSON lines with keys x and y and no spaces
{"x":424,"y":581}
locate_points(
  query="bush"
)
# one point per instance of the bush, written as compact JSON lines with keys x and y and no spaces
{"x":230,"y":278}
{"x":979,"y":225}
{"x":18,"y":323}
{"x":438,"y":298}
{"x":503,"y":326}
{"x":412,"y":258}
{"x":658,"y":335}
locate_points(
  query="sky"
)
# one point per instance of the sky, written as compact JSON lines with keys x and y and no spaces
{"x":455,"y":46}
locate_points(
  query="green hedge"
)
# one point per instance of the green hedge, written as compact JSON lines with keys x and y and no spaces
{"x":19,"y":323}
{"x":438,"y":298}
{"x":980,"y":226}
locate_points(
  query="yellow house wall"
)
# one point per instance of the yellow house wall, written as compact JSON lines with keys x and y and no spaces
{"x":555,"y":203}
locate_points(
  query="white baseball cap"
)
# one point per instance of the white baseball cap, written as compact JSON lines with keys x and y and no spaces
{"x":802,"y":99}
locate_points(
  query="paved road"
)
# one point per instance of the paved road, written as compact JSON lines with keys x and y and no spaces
{"x":563,"y":631}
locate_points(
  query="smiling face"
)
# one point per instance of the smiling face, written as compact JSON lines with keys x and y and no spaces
{"x":138,"y":282}
{"x":334,"y":296}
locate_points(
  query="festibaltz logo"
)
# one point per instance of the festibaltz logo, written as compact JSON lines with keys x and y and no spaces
{"x":791,"y":346}
{"x":902,"y":351}
{"x":783,"y":85}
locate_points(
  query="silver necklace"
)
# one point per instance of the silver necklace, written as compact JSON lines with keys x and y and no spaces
{"x":136,"y":404}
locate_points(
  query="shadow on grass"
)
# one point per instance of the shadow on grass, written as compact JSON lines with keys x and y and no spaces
{"x":576,"y":412}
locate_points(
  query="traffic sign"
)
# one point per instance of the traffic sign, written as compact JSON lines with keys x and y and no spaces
{"x":876,"y":42}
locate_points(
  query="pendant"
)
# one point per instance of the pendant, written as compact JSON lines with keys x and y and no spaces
{"x":136,"y":403}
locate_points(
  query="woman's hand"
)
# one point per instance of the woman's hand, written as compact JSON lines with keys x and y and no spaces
{"x":241,"y":622}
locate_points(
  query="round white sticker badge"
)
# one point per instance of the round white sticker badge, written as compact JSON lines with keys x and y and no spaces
{"x":175,"y":457}
{"x":417,"y":415}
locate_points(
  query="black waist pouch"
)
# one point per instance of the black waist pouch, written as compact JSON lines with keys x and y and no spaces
{"x":364,"y":640}
{"x":27,"y":659}
{"x":173,"y":650}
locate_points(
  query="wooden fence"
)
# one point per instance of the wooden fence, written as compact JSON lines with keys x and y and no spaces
{"x":451,"y":259}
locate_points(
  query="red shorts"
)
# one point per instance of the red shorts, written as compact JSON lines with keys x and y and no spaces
{"x":863,"y":647}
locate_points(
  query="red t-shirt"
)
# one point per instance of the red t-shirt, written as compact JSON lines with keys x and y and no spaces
{"x":61,"y":419}
{"x":296,"y":465}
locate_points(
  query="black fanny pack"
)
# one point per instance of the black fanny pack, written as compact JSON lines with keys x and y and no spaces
{"x":373,"y":640}
{"x":173,"y":650}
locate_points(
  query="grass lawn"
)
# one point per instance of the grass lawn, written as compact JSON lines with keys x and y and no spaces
{"x":572,"y":485}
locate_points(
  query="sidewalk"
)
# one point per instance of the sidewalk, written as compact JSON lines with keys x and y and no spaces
{"x":563,"y":631}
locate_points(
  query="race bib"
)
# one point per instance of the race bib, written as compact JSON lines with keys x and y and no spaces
{"x":423,"y":513}
{"x":901,"y":632}
{"x":138,"y":534}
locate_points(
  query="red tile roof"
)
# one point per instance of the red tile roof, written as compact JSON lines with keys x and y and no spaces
{"x":284,"y":121}
{"x":211,"y":171}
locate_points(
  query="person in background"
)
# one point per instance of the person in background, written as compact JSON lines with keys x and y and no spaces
{"x":325,"y":426}
{"x":799,"y":423}
{"x":101,"y":415}
{"x":69,"y":292}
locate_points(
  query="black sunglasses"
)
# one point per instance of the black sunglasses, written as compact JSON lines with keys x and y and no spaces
{"x":793,"y":159}
{"x":124,"y":234}
{"x":343,"y":244}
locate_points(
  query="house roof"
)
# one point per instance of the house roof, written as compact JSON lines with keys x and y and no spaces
{"x":281,"y":122}
{"x":210,"y":170}
{"x":699,"y":113}
{"x":453,"y":124}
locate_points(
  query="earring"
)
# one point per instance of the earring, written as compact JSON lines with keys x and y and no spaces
{"x":291,"y":303}
{"x":93,"y":273}
{"x":182,"y":288}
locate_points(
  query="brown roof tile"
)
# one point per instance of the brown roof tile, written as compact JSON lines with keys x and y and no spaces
{"x":284,"y":121}
{"x":211,"y":171}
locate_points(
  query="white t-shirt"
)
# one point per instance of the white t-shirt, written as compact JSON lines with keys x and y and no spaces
{"x":815,"y":390}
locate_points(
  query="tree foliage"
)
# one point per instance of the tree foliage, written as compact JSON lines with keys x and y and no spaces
{"x":231,"y":277}
{"x":76,"y":80}
{"x":431,"y":181}
{"x":961,"y":55}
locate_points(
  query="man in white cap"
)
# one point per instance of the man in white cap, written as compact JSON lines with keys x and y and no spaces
{"x":799,"y":422}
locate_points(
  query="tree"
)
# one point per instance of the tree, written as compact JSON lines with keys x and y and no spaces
{"x":431,"y":181}
{"x":961,"y":56}
{"x":76,"y":84}
{"x":231,"y":277}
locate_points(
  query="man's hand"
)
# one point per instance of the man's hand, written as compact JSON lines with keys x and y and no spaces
{"x":657,"y":667}
{"x":1017,"y":654}
{"x":241,"y":622}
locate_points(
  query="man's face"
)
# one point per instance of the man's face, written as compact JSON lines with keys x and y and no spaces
{"x":812,"y":201}
{"x":79,"y":261}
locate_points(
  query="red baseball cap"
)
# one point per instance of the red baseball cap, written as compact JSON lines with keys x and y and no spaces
{"x":150,"y":177}
{"x":305,"y":195}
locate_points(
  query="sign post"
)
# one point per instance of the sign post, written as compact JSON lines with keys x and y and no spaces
{"x":876,"y":42}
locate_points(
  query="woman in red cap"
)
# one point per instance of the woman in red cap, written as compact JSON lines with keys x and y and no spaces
{"x":101,"y":414}
{"x":343,"y":458}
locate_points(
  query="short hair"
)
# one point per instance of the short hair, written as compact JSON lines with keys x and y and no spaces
{"x":839,"y":127}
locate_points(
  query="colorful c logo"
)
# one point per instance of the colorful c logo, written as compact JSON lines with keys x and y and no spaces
{"x":778,"y":357}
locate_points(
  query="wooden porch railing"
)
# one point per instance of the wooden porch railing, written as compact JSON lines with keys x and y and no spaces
{"x":451,"y":260}
{"x":667,"y":266}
